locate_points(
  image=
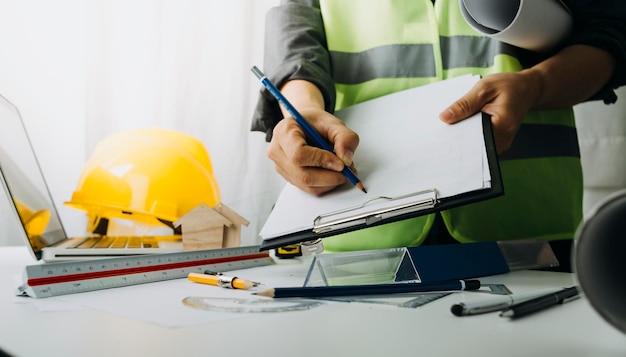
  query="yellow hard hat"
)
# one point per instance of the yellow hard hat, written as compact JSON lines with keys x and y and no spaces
{"x":146,"y":175}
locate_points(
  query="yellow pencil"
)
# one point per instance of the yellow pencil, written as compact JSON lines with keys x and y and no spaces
{"x":222,"y":281}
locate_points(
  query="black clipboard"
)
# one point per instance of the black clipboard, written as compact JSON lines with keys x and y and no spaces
{"x":427,"y":203}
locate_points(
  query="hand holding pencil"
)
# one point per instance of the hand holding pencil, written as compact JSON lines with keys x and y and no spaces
{"x":303,"y":154}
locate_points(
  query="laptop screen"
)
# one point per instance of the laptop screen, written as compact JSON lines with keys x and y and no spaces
{"x":24,"y":182}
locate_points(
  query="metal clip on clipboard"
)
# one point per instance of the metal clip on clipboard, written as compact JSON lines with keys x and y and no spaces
{"x":336,"y":220}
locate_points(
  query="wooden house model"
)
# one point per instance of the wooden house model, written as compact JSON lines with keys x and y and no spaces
{"x":206,"y":227}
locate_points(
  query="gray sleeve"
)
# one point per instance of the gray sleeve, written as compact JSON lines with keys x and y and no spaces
{"x":295,"y":48}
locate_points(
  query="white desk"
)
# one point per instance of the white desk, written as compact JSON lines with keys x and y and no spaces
{"x":335,"y":329}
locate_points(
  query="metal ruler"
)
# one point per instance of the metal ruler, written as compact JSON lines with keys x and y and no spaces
{"x":420,"y":299}
{"x":52,"y":279}
{"x":416,"y":301}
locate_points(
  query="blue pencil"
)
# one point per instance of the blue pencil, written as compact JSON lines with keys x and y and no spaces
{"x":369,"y":289}
{"x":308,"y":129}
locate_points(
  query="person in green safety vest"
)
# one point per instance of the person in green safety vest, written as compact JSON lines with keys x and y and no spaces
{"x":325,"y":55}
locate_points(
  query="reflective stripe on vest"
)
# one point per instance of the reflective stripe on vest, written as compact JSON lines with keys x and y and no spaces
{"x":359,"y":67}
{"x":379,"y":47}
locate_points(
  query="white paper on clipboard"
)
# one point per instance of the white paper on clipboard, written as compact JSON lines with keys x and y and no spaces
{"x":404,"y":149}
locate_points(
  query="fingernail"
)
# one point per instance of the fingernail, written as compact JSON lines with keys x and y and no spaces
{"x":348,"y":158}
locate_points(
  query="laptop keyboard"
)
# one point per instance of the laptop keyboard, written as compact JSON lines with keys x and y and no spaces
{"x":115,"y":242}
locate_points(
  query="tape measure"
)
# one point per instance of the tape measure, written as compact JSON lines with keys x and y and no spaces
{"x":297,"y":250}
{"x":289,"y":251}
{"x":52,"y":279}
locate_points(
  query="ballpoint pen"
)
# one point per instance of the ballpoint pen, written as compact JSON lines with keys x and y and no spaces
{"x":540,"y":303}
{"x":308,"y":129}
{"x":497,"y":302}
{"x":218,"y":279}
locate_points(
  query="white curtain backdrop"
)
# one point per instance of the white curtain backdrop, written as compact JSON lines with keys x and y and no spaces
{"x":82,"y":70}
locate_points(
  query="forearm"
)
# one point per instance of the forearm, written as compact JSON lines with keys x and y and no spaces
{"x":302,"y":95}
{"x":295,"y":49}
{"x":570,"y":77}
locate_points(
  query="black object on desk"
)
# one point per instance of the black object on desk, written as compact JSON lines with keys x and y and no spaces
{"x":541,"y":303}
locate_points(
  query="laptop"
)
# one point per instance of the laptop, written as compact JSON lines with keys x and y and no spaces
{"x":41,"y":226}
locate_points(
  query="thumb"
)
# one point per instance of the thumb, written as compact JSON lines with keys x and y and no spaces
{"x":459,"y":110}
{"x":345,"y":143}
{"x":346,"y":156}
{"x":346,"y":146}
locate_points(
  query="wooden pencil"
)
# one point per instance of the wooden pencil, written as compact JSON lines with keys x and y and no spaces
{"x":373,"y":289}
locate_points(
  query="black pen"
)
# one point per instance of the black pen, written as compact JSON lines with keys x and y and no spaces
{"x":541,"y":303}
{"x":497,"y":302}
{"x":308,"y":129}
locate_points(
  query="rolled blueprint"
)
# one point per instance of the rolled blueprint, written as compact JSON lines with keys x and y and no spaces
{"x":536,"y":25}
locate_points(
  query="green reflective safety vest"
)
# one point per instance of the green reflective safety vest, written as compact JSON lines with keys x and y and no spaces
{"x":379,"y":47}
